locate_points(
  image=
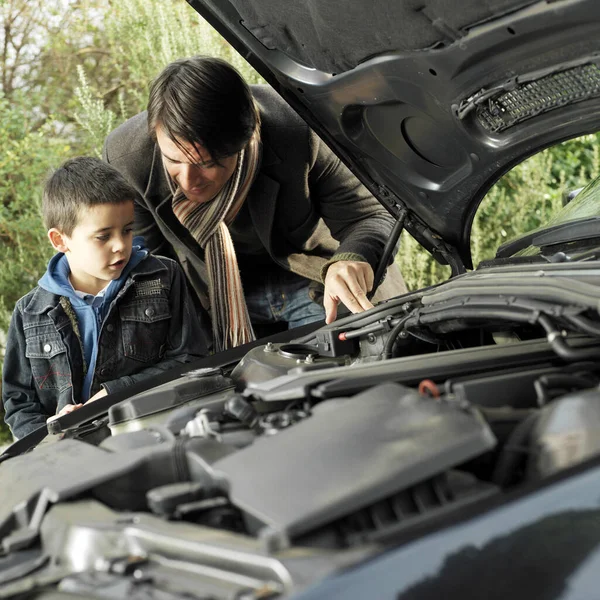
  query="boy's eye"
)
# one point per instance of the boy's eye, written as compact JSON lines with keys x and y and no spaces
{"x":102,"y":238}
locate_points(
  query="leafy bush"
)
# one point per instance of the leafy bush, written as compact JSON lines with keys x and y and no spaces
{"x":28,"y":154}
{"x":141,"y":39}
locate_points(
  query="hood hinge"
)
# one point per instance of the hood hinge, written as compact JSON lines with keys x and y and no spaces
{"x":447,"y":252}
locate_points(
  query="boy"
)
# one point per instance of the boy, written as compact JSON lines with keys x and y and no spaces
{"x":105,"y":314}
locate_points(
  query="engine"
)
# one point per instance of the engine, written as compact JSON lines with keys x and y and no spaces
{"x":347,"y":436}
{"x":324,"y":447}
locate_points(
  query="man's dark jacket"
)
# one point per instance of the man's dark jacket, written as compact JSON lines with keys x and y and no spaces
{"x":304,"y":203}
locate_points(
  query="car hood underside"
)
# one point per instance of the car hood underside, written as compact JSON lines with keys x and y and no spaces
{"x":428,"y":102}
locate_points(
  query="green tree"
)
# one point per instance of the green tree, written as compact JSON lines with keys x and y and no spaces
{"x":141,"y":38}
{"x":41,"y":44}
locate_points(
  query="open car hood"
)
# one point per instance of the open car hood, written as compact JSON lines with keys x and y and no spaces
{"x":428,"y":102}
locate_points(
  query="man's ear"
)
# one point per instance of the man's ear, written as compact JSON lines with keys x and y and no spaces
{"x":58,"y":240}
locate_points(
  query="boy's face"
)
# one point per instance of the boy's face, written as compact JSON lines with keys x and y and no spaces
{"x":99,"y":247}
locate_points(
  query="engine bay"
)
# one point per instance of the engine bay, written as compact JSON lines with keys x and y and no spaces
{"x":336,"y":442}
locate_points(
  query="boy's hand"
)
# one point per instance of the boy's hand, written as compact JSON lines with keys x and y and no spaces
{"x":97,"y":395}
{"x":65,"y":410}
{"x":69,"y":408}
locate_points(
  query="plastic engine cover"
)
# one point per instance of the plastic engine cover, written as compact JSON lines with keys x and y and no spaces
{"x":566,"y":433}
{"x":348,"y":454}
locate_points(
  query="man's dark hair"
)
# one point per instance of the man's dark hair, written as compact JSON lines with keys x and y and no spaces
{"x":205,"y":102}
{"x":80,"y":183}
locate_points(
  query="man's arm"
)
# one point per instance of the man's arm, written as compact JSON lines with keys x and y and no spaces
{"x":357,"y":220}
{"x":24,"y":412}
{"x":186,"y":339}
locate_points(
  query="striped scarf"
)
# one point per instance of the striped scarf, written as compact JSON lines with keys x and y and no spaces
{"x":207,"y":224}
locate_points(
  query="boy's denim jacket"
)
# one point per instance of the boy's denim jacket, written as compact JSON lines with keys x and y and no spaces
{"x":150,"y":327}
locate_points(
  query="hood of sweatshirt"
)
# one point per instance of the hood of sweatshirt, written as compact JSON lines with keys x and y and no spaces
{"x":56,"y":277}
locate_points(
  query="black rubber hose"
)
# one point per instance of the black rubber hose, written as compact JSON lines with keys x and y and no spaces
{"x":438,"y":315}
{"x":586,"y":325}
{"x":565,"y":381}
{"x":394,"y":333}
{"x":561,"y":347}
{"x":553,"y":335}
{"x":514,"y":452}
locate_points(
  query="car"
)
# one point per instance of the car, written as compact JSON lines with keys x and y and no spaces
{"x":445,"y":443}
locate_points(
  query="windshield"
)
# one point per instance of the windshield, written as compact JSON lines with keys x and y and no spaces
{"x":585,"y":205}
{"x":584,"y":210}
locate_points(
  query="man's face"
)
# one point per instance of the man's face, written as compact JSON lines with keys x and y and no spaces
{"x":193,"y":170}
{"x":100,"y":245}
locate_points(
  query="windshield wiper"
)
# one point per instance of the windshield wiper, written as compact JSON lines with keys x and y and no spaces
{"x":571,"y":231}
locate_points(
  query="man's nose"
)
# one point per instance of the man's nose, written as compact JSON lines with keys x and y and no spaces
{"x":189,"y":176}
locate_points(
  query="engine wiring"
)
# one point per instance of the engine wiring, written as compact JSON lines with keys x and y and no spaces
{"x":555,"y":319}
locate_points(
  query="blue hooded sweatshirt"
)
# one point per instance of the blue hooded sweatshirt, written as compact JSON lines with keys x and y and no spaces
{"x":90,"y":310}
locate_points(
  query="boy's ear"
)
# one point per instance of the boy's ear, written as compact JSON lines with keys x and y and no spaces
{"x":58,"y":240}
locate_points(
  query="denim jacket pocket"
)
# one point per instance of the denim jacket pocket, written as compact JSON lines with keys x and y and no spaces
{"x":145,"y":326}
{"x":47,"y":356}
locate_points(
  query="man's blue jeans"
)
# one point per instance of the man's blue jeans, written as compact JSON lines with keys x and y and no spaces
{"x":282,"y":297}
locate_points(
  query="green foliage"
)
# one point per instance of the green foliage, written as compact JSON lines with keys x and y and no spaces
{"x":418,"y":267}
{"x":28,"y":154}
{"x":43,"y":43}
{"x":96,"y":120}
{"x":141,"y":38}
{"x":526,"y":197}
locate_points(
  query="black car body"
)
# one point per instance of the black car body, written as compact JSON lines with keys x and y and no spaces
{"x":443,"y":444}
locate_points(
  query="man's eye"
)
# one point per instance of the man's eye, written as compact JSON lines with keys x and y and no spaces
{"x":128,"y":230}
{"x":102,"y":238}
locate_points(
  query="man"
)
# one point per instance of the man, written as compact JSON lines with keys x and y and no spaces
{"x":255,"y":207}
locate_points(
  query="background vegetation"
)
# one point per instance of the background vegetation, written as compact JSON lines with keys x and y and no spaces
{"x":72,"y":70}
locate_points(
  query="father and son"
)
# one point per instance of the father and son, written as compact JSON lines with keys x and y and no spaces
{"x":243,"y":219}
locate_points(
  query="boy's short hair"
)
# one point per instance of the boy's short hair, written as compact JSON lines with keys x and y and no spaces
{"x":204,"y":101}
{"x":80,"y":183}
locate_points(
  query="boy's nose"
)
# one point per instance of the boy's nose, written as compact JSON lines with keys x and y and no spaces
{"x":119,"y":245}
